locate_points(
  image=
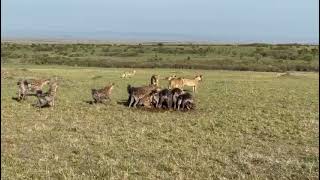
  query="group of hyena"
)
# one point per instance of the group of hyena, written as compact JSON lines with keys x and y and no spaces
{"x":149,"y":96}
{"x":172,"y":97}
{"x":28,"y":87}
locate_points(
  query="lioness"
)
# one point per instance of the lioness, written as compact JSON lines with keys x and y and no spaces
{"x":181,"y":82}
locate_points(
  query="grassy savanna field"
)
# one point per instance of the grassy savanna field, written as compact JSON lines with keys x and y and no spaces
{"x":246,"y":125}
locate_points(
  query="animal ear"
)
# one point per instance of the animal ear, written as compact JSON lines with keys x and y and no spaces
{"x":25,"y":83}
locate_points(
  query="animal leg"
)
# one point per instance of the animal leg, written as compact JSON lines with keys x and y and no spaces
{"x":183,"y":104}
{"x":136,"y":102}
{"x":179,"y":104}
{"x":160,"y":102}
{"x":131,"y":101}
{"x":169,"y":103}
{"x":174,"y":102}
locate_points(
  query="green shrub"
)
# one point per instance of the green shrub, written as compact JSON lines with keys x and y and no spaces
{"x":307,"y":57}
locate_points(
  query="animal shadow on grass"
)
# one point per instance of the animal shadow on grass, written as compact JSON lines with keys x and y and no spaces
{"x":20,"y":100}
{"x":142,"y":108}
{"x":93,"y":103}
{"x":45,"y":106}
{"x":89,"y":102}
{"x":16,"y":99}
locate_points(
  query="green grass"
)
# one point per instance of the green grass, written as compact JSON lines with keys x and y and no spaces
{"x":246,"y":125}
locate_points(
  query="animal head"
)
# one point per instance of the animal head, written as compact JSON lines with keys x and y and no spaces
{"x":198,"y":77}
{"x":112,"y":86}
{"x":39,"y":92}
{"x":93,"y":91}
{"x":23,"y":82}
{"x":19,"y":82}
{"x":158,"y":89}
{"x":171,"y":77}
{"x":46,"y":81}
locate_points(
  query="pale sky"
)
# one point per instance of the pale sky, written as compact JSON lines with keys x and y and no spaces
{"x":221,"y":20}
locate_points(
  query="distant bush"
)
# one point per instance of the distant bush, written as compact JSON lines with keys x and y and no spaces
{"x":307,"y":57}
{"x":128,"y":54}
{"x":253,"y":57}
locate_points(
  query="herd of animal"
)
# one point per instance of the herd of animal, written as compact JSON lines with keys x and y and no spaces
{"x":149,"y":96}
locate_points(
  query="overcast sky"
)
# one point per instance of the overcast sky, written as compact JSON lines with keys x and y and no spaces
{"x":229,"y":20}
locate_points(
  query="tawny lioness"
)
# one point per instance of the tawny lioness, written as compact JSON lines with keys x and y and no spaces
{"x":181,"y":82}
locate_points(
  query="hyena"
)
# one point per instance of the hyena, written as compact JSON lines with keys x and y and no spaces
{"x":101,"y":95}
{"x":23,"y":89}
{"x":185,"y":101}
{"x":37,"y":84}
{"x":128,"y":74}
{"x":48,"y":98}
{"x":155,"y":80}
{"x":165,"y":97}
{"x":137,"y":93}
{"x":176,"y":92}
{"x":147,"y":101}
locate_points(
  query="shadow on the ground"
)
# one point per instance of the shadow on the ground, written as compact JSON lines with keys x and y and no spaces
{"x":16,"y":99}
{"x":123,"y":102}
{"x":152,"y":109}
{"x":89,"y":102}
{"x":93,"y":103}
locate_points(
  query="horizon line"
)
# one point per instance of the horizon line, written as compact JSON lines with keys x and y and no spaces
{"x":144,"y":41}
